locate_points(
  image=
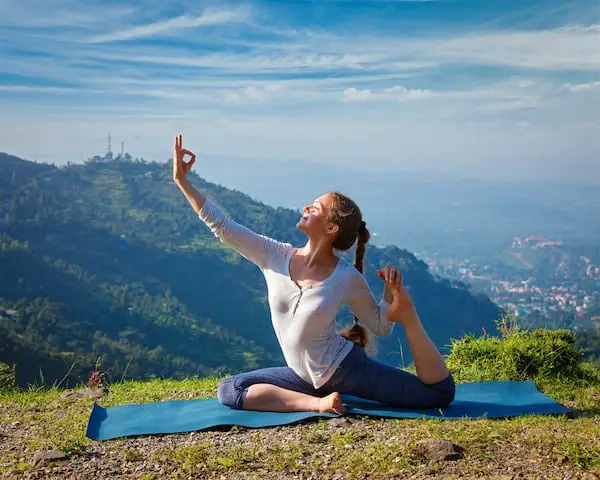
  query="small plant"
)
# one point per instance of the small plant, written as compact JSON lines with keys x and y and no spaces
{"x":133,"y":455}
{"x":341,"y":439}
{"x":508,"y":326}
{"x":96,"y":377}
{"x":72,"y":447}
{"x":8,"y":377}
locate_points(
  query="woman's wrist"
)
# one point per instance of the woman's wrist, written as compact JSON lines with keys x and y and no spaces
{"x":388,"y":294}
{"x":179,"y":181}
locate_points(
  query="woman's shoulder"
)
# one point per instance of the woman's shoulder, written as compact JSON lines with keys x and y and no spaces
{"x":348,"y":265}
{"x":354,"y":279}
{"x":279,"y":252}
{"x":348,"y":270}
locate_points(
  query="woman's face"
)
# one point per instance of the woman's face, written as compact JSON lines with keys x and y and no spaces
{"x":314,"y":221}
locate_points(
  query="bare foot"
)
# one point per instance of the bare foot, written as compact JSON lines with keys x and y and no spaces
{"x":402,"y":308}
{"x":332,"y":403}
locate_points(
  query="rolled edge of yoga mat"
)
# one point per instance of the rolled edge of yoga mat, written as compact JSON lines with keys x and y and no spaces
{"x":97,"y":414}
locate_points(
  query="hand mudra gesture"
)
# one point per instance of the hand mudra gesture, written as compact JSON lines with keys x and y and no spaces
{"x":391,"y":276}
{"x":402,"y":303}
{"x":180,"y":166}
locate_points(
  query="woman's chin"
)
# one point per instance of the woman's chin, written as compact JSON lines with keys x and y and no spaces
{"x":301,"y":225}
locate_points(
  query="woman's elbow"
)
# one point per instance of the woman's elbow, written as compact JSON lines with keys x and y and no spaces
{"x":384,"y":331}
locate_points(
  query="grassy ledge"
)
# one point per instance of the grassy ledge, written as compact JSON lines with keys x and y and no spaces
{"x":524,"y":447}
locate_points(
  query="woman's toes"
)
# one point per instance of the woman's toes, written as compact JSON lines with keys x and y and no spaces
{"x":332,"y":403}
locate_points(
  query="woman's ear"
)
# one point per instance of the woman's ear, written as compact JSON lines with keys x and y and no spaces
{"x":332,"y":228}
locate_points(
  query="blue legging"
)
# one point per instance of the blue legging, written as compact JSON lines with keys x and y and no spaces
{"x":357,"y":375}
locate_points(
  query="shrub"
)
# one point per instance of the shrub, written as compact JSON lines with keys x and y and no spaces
{"x":518,"y":355}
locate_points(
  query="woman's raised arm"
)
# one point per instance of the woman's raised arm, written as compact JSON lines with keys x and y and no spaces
{"x":259,"y":249}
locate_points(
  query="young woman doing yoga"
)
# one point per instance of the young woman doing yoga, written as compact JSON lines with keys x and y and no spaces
{"x":306,"y":288}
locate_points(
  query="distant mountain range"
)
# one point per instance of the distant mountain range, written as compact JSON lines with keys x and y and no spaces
{"x":107,"y":259}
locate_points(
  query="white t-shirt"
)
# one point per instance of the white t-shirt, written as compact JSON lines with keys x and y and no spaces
{"x":303,"y":318}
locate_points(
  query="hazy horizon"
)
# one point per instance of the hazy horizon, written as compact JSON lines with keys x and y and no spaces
{"x":430,"y":215}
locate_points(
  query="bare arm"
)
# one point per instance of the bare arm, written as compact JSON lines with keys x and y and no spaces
{"x":192,"y":195}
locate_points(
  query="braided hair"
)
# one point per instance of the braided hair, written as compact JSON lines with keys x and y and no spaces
{"x":346,"y":214}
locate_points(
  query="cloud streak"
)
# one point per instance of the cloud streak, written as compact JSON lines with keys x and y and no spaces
{"x":397,"y":92}
{"x":30,"y":89}
{"x":581,"y":87}
{"x":179,"y":23}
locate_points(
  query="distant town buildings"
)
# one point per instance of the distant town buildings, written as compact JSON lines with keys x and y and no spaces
{"x":572,"y":288}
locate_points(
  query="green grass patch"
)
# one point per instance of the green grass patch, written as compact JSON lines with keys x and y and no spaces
{"x":158,"y":390}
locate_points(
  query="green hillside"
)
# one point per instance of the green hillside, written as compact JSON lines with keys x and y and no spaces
{"x":108,"y":260}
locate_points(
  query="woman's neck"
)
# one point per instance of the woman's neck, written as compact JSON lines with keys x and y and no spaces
{"x":317,"y":254}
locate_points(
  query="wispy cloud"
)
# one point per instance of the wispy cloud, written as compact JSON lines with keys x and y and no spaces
{"x":580,"y":87}
{"x":41,"y":14}
{"x":575,"y":47}
{"x":397,"y":92}
{"x":30,"y":89}
{"x":254,"y":94}
{"x":354,"y":95}
{"x":178,"y":23}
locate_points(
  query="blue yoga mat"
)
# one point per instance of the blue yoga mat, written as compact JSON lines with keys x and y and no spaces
{"x":473,"y":400}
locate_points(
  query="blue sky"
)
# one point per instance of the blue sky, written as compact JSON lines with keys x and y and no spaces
{"x":491,"y":88}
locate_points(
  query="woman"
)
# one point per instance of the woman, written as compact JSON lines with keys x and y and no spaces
{"x":307,"y":287}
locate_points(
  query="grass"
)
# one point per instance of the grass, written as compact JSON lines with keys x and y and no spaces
{"x":531,"y":446}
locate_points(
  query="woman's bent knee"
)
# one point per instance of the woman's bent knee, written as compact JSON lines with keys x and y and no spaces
{"x":443,"y":394}
{"x":229,"y":395}
{"x":447,"y":391}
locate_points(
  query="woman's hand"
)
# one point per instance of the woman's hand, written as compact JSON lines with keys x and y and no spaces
{"x":180,"y":167}
{"x":401,"y":305}
{"x":391,"y":276}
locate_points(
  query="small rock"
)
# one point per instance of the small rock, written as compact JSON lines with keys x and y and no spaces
{"x":16,"y":424}
{"x":434,"y":449}
{"x":72,"y":394}
{"x":97,"y":393}
{"x":429,"y":471}
{"x":40,"y":458}
{"x":93,"y":393}
{"x":338,"y":422}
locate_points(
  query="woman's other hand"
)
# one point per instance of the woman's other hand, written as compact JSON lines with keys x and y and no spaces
{"x":401,"y":305}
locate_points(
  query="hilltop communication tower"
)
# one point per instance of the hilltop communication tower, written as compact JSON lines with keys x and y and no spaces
{"x":109,"y":153}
